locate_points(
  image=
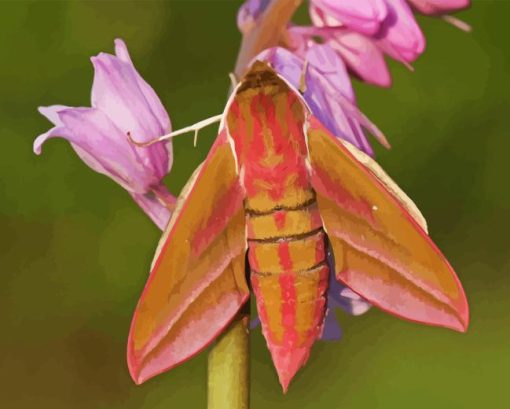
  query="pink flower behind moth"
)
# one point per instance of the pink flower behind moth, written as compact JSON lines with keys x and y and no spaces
{"x":361,"y":31}
{"x":122,"y":102}
{"x":394,"y":32}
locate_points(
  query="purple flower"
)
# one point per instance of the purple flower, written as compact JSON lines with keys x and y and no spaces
{"x":328,"y":91}
{"x":122,"y":102}
{"x":435,"y":7}
{"x":249,"y":12}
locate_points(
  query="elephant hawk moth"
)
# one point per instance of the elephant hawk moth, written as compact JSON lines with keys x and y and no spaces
{"x":276,"y":191}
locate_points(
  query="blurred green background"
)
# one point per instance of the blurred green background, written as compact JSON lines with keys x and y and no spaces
{"x":75,"y":249}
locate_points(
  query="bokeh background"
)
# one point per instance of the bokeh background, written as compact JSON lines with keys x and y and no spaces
{"x":75,"y":249}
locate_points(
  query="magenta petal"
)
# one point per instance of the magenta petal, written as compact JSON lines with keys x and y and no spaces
{"x":149,"y":202}
{"x":360,"y":53}
{"x":400,"y":36}
{"x":363,"y":57}
{"x":364,"y":16}
{"x":435,"y":7}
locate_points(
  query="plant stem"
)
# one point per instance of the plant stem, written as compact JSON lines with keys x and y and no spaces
{"x":228,"y":381}
{"x":228,"y":385}
{"x":267,"y":32}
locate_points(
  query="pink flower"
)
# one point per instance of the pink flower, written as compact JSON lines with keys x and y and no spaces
{"x":363,"y":16}
{"x":122,"y":102}
{"x":435,"y":7}
{"x":382,"y":26}
{"x":397,"y":35}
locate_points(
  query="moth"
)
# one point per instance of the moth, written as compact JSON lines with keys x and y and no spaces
{"x":276,"y":191}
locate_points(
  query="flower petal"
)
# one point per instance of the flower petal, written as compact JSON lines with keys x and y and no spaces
{"x":153,"y":207}
{"x":54,"y":132}
{"x":51,"y":113}
{"x":327,"y":61}
{"x":100,"y":141}
{"x":150,"y":96}
{"x":117,"y":92}
{"x":341,"y":296}
{"x":360,"y":53}
{"x":400,"y":36}
{"x":362,"y":56}
{"x":331,"y":330}
{"x":363,"y":16}
{"x":152,"y":99}
{"x":249,"y":12}
{"x":435,"y":7}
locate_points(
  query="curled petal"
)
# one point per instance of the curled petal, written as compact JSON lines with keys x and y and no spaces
{"x":51,"y":113}
{"x":400,"y":36}
{"x":364,"y":16}
{"x":437,"y":7}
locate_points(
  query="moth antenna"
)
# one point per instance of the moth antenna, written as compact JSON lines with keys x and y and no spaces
{"x":458,"y":23}
{"x":192,"y":128}
{"x":302,"y":78}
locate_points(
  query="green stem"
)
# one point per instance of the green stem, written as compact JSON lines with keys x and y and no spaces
{"x":228,"y":385}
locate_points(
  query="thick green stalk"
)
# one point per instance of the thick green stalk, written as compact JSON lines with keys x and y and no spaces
{"x":228,"y":385}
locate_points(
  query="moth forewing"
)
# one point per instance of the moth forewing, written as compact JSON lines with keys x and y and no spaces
{"x":389,"y":183}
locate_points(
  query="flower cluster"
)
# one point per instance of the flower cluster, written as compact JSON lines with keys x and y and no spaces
{"x":122,"y":102}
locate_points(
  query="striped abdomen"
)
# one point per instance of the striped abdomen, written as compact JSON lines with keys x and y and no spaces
{"x":289,"y":275}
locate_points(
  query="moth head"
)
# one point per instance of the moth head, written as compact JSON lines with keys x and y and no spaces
{"x":261,"y":78}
